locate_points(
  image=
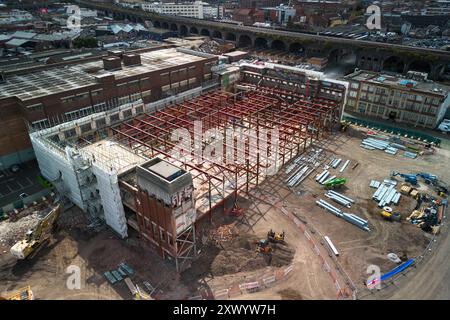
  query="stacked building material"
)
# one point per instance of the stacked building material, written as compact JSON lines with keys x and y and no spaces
{"x":322,"y":177}
{"x":411,"y":155}
{"x":335,"y":163}
{"x":339,"y":198}
{"x":322,"y":203}
{"x":375,"y":184}
{"x":344,"y":166}
{"x":294,"y":179}
{"x":375,"y":143}
{"x":391,"y":150}
{"x":349,"y":217}
{"x":357,"y":221}
{"x":386,"y":194}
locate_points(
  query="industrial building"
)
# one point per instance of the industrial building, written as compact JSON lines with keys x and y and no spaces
{"x":47,"y":95}
{"x":196,"y":9}
{"x":125,"y":171}
{"x":411,"y":100}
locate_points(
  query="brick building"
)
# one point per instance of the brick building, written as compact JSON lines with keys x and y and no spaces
{"x":416,"y":102}
{"x":43,"y":96}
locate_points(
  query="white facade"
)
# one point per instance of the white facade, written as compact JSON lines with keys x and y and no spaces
{"x":88,"y":175}
{"x":197,"y":9}
{"x":15,"y":16}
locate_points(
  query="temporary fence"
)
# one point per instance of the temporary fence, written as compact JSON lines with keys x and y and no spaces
{"x":262,"y":282}
{"x":394,"y":130}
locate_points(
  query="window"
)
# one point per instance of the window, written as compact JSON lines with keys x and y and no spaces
{"x":124,"y":100}
{"x":352,"y":94}
{"x":114,"y":118}
{"x":70,"y":133}
{"x":135,"y":97}
{"x":354,"y":85}
{"x":165,"y":88}
{"x":154,"y":232}
{"x":146,"y":93}
{"x":41,"y":124}
{"x":85,"y":127}
{"x":127,"y":113}
{"x":96,"y":92}
{"x":100,"y":123}
{"x":162,"y":234}
{"x":77,"y":114}
{"x":140,"y":109}
{"x":99,"y":107}
{"x":36,"y":107}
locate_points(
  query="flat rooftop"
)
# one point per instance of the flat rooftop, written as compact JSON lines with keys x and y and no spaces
{"x":69,"y":77}
{"x":165,"y":170}
{"x":398,"y":81}
{"x":110,"y":155}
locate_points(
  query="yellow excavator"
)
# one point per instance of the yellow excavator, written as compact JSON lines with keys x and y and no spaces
{"x":36,"y":239}
{"x":21,"y":294}
{"x":275,"y":237}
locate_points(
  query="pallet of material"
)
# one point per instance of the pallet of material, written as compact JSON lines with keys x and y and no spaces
{"x":111,"y":279}
{"x":126,"y":268}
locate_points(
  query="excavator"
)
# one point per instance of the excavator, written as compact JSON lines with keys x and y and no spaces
{"x":36,"y":239}
{"x":275,"y":237}
{"x":409,"y":178}
{"x":336,"y":182}
{"x":21,"y":294}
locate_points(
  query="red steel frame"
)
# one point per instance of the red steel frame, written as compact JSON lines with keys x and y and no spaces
{"x":298,"y":121}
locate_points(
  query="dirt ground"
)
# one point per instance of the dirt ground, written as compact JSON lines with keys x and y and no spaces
{"x":231,"y":262}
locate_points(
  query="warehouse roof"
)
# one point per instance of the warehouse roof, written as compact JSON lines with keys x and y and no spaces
{"x":69,"y":77}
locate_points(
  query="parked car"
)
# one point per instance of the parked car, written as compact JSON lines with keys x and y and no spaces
{"x":445,"y":126}
{"x":23,"y":195}
{"x":15,"y":168}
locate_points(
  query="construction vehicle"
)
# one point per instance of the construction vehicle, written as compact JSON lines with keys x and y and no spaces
{"x":428,"y":178}
{"x":36,"y":239}
{"x":264,"y":247}
{"x":387,"y":214}
{"x":336,"y":182}
{"x":409,"y":178}
{"x":275,"y":237}
{"x":21,"y":294}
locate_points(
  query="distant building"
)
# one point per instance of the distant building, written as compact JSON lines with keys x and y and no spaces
{"x":413,"y":100}
{"x":249,"y":16}
{"x":281,"y":14}
{"x":15,"y":16}
{"x":197,"y":9}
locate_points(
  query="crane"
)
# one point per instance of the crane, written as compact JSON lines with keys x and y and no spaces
{"x":410,"y":178}
{"x":36,"y":238}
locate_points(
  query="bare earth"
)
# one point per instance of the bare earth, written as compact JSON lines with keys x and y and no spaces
{"x":221,"y":266}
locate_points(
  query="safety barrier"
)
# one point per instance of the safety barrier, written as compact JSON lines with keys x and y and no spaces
{"x":342,"y":293}
{"x":395,"y":130}
{"x":235,"y":290}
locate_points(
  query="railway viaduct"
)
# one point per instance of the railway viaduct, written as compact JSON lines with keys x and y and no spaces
{"x":370,"y":55}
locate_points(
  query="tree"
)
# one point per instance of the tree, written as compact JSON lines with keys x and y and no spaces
{"x":87,"y":42}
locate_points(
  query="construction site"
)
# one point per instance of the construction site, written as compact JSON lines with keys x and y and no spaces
{"x":260,"y":191}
